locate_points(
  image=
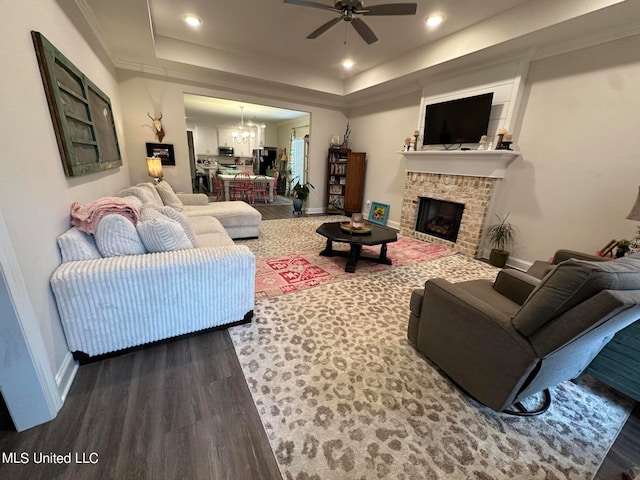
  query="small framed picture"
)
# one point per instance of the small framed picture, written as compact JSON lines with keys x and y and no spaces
{"x":378,"y":213}
{"x":164,"y":151}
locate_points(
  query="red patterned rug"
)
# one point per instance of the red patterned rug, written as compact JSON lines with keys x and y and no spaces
{"x":294,"y":272}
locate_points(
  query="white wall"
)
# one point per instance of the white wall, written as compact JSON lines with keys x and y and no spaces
{"x":579,"y":172}
{"x":137,"y":91}
{"x":380,"y":130}
{"x":35,"y":195}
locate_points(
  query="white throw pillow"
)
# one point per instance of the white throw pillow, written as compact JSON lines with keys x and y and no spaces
{"x":143,"y":194}
{"x":161,"y":234}
{"x":135,"y":203}
{"x":149,"y":211}
{"x":168,"y":196}
{"x":77,"y":245}
{"x":182,"y":220}
{"x":152,"y":190}
{"x":117,"y":236}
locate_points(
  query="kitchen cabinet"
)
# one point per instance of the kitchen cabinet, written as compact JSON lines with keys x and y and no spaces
{"x":206,"y":140}
{"x":225,"y":139}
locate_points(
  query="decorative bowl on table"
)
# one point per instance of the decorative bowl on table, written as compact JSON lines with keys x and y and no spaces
{"x":349,"y":228}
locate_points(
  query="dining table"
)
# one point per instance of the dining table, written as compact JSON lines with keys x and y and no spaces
{"x":226,"y":179}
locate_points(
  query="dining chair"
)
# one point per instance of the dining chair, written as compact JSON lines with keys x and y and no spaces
{"x":218,"y":188}
{"x":261,"y":188}
{"x":241,"y":187}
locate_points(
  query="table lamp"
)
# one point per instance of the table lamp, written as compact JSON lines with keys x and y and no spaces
{"x":634,"y":214}
{"x":154,"y":167}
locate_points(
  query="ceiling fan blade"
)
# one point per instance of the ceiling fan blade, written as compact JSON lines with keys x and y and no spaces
{"x":319,"y":31}
{"x":390,"y":9}
{"x":365,"y":32}
{"x":305,"y":3}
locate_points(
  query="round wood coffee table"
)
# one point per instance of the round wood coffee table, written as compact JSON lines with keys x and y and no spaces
{"x":379,"y":236}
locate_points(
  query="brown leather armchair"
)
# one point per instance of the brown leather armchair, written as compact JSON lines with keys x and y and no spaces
{"x":504,"y":341}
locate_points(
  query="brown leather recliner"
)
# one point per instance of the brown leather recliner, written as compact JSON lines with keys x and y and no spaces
{"x":504,"y":341}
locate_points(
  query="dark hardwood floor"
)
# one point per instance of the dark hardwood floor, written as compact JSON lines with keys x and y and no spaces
{"x":181,"y":410}
{"x":177,"y":410}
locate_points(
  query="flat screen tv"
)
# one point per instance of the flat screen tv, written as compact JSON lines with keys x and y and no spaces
{"x":463,"y":120}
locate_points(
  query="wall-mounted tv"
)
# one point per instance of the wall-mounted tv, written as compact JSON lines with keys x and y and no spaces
{"x":463,"y":120}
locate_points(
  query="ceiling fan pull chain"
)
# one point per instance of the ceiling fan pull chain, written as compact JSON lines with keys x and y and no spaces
{"x":345,"y":33}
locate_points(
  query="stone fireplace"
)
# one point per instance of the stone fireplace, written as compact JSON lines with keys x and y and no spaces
{"x":467,"y":179}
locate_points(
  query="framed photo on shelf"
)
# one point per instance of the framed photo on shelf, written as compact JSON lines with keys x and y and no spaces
{"x":164,"y":151}
{"x":378,"y":213}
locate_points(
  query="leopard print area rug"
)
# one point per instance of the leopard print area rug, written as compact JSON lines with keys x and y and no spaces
{"x":343,"y":396}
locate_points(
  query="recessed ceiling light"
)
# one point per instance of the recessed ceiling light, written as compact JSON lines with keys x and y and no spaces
{"x":348,"y":63}
{"x":434,"y":20}
{"x":192,"y":20}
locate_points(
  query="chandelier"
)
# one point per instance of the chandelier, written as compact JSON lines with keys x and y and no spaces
{"x":242,"y":134}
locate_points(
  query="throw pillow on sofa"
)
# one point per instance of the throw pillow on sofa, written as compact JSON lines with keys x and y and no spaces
{"x":182,"y":220}
{"x":117,"y":236}
{"x":154,"y":193}
{"x":77,"y":245}
{"x":145,"y":192}
{"x":135,"y":202}
{"x":168,"y":196}
{"x":159,"y":233}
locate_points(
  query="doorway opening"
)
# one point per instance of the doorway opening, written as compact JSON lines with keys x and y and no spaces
{"x":217,"y":146}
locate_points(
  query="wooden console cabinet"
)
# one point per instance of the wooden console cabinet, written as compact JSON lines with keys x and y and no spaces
{"x":345,"y":181}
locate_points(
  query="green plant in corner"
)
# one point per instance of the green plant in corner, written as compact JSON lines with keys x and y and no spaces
{"x":500,"y":235}
{"x":301,"y":191}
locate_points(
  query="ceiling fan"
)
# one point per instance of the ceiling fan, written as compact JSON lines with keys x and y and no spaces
{"x":348,"y":9}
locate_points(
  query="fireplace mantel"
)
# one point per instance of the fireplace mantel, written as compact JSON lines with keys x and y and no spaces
{"x":470,"y":163}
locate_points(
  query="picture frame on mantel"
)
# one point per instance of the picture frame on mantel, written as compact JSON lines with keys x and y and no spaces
{"x":378,"y":213}
{"x":164,"y":151}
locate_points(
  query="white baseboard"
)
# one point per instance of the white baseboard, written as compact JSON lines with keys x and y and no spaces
{"x":394,"y":225}
{"x":518,"y":264}
{"x":513,"y":262}
{"x":314,"y":211}
{"x":65,"y":375}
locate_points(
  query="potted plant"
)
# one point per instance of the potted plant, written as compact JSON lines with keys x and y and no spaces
{"x":300,"y":194}
{"x":499,"y":236}
{"x":622,"y":248}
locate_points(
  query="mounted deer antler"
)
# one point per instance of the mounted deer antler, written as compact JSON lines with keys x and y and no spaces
{"x":157,"y":125}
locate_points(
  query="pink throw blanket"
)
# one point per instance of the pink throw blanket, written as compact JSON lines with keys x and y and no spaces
{"x":86,"y":217}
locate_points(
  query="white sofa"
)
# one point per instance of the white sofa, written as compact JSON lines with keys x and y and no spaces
{"x":113,"y":303}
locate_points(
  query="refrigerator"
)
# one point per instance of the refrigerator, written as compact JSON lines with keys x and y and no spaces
{"x":264,"y":159}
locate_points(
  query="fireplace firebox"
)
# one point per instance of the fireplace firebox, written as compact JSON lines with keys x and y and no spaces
{"x":439,"y":218}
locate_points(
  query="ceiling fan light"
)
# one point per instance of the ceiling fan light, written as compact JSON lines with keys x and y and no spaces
{"x":192,"y":20}
{"x":434,"y":20}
